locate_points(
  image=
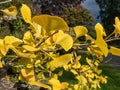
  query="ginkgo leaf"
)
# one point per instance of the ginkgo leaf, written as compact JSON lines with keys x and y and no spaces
{"x":21,"y":54}
{"x":28,"y":75}
{"x":26,"y":13}
{"x":117,"y":26}
{"x":60,"y":61}
{"x":82,"y":80}
{"x":55,"y":84}
{"x":11,"y":11}
{"x":80,"y":31}
{"x":100,"y":42}
{"x":64,"y":40}
{"x":3,"y":49}
{"x":100,"y":28}
{"x":11,"y":40}
{"x":29,"y":48}
{"x":49,"y":22}
{"x":114,"y":51}
{"x":28,"y":38}
{"x":36,"y":29}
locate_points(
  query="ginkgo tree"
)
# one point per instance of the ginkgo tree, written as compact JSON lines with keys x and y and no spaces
{"x":36,"y":57}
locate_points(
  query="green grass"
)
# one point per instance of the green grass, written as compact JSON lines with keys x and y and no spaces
{"x":113,"y":78}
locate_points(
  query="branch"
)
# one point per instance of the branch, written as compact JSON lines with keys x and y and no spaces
{"x":44,"y":39}
{"x":112,"y":39}
{"x":5,"y":1}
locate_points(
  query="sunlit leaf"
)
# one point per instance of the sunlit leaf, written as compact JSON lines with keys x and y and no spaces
{"x":3,"y":49}
{"x":64,"y":85}
{"x":26,"y":13}
{"x":114,"y":51}
{"x":36,"y":29}
{"x":117,"y":26}
{"x":80,"y":31}
{"x":11,"y":40}
{"x":100,"y":42}
{"x":29,"y":48}
{"x":21,"y":54}
{"x":64,"y":40}
{"x":11,"y":11}
{"x":94,"y":49}
{"x":28,"y":75}
{"x":28,"y":38}
{"x":49,"y":22}
{"x":55,"y":84}
{"x":82,"y":80}
{"x":60,"y":61}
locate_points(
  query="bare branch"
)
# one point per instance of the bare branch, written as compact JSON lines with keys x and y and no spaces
{"x":5,"y":1}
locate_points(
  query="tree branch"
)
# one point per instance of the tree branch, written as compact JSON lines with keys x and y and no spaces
{"x":5,"y":1}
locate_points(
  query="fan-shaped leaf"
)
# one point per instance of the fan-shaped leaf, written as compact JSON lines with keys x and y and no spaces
{"x":80,"y":31}
{"x":49,"y":22}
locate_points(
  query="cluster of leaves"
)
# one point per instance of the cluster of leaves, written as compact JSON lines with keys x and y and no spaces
{"x":35,"y":58}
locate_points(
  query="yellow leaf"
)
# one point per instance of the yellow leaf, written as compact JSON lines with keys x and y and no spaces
{"x":117,"y":26}
{"x":80,"y":31}
{"x":26,"y":13}
{"x":28,"y":38}
{"x":64,"y":40}
{"x":60,"y":61}
{"x":88,"y":37}
{"x":114,"y":51}
{"x":1,"y":64}
{"x":49,"y":22}
{"x":29,"y":48}
{"x":100,"y":28}
{"x":28,"y":75}
{"x":3,"y":49}
{"x":11,"y":40}
{"x":82,"y":80}
{"x":21,"y":54}
{"x":36,"y":29}
{"x":55,"y":84}
{"x":11,"y":11}
{"x":100,"y":42}
{"x":94,"y":49}
{"x":64,"y":85}
{"x":74,"y":72}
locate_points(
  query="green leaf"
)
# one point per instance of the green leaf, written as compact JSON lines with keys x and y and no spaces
{"x":114,"y":51}
{"x":49,"y":22}
{"x":80,"y":31}
{"x":60,"y":61}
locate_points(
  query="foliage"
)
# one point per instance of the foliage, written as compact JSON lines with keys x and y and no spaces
{"x":35,"y":58}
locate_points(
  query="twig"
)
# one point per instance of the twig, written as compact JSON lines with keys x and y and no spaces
{"x":5,"y":1}
{"x":113,"y":39}
{"x":44,"y":39}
